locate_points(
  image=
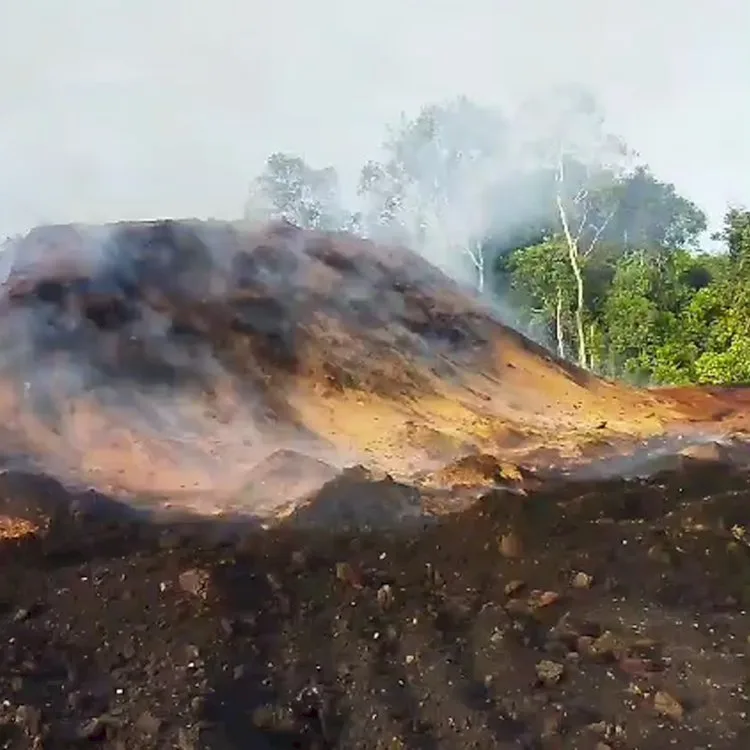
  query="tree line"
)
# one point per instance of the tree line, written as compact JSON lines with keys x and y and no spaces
{"x":557,"y":221}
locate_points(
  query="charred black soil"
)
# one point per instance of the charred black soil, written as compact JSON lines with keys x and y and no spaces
{"x":608,"y":613}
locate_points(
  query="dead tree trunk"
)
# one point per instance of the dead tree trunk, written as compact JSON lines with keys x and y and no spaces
{"x":575,"y":265}
{"x":476,"y":254}
{"x":558,"y":325}
{"x":576,"y":254}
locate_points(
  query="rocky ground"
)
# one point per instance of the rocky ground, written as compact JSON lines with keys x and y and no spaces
{"x":599,"y":614}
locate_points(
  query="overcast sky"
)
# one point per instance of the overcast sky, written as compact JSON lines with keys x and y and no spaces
{"x":113,"y":109}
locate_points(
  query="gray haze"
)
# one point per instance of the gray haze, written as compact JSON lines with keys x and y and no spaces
{"x":118,"y":109}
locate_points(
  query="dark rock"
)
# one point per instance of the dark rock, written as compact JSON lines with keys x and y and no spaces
{"x":385,"y":597}
{"x":148,"y":724}
{"x":96,"y":728}
{"x":195,"y":582}
{"x":29,"y":718}
{"x":549,"y":672}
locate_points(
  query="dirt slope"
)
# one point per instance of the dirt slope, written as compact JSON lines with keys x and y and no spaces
{"x":175,"y":360}
{"x":604,"y":615}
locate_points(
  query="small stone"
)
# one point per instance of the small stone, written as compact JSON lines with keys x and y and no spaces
{"x":95,"y":728}
{"x":563,"y":630}
{"x":510,"y":545}
{"x":645,"y":646}
{"x":637,"y":667}
{"x":657,"y":553}
{"x":263,"y":717}
{"x":185,"y":741}
{"x":29,"y":718}
{"x":582,"y":580}
{"x":274,"y":583}
{"x":170,"y":540}
{"x":600,"y":727}
{"x":385,"y":596}
{"x":434,"y":578}
{"x":608,"y":646}
{"x":195,"y":582}
{"x":704,"y":452}
{"x":148,"y":724}
{"x":556,"y":648}
{"x":541,"y":599}
{"x":346,"y":574}
{"x":517,"y":608}
{"x":667,"y":705}
{"x":584,"y":644}
{"x":21,"y":614}
{"x":514,"y":587}
{"x":549,"y":672}
{"x":238,"y":672}
{"x":552,"y":724}
{"x":299,"y":558}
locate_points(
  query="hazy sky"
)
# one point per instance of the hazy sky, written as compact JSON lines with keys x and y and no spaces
{"x":140,"y":108}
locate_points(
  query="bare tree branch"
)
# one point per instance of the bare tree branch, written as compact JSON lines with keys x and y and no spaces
{"x":598,"y":233}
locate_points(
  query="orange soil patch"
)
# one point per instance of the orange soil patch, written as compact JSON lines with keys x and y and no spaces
{"x":16,"y":528}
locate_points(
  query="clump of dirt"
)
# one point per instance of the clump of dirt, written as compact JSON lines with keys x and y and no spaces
{"x":287,"y":474}
{"x":619,"y":621}
{"x":479,"y":470}
{"x":381,"y":503}
{"x":17,"y":528}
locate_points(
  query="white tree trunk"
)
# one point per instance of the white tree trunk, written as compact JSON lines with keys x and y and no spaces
{"x":559,"y":326}
{"x":480,"y":275}
{"x":575,"y":265}
{"x":476,"y":254}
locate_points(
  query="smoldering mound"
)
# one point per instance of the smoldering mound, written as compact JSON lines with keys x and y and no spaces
{"x":221,"y":367}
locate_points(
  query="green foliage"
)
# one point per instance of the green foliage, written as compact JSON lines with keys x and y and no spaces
{"x":736,"y":235}
{"x":650,"y":214}
{"x":542,"y":286}
{"x":656,"y":315}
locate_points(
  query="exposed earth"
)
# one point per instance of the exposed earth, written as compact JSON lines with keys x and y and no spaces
{"x":585,"y":615}
{"x":284,"y":490}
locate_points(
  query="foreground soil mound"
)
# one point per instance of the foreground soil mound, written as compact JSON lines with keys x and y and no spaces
{"x":209,"y":366}
{"x":589,"y":615}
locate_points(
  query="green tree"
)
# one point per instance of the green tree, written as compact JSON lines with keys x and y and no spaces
{"x":736,"y":235}
{"x":718,"y":317}
{"x":648,"y":214}
{"x":542,"y":279}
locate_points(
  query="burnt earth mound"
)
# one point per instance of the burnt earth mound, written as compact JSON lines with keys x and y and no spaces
{"x":177,"y":363}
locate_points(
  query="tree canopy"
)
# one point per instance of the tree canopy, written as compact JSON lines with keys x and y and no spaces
{"x":552,"y":215}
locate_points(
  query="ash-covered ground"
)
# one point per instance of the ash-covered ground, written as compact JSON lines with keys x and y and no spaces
{"x":598,"y":614}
